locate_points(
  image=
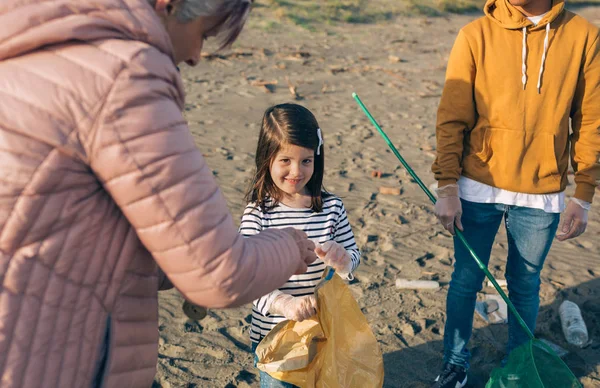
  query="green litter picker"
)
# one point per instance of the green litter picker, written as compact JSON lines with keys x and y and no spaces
{"x":533,"y":364}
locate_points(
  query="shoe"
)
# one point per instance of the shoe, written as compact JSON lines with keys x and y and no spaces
{"x":453,"y":376}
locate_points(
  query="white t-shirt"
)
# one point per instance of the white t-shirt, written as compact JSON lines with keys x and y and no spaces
{"x":474,"y":191}
{"x":536,"y":19}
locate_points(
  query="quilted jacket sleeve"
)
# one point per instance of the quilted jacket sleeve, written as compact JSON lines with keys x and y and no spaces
{"x":142,"y":151}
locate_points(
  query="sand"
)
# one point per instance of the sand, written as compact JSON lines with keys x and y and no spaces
{"x":398,"y":70}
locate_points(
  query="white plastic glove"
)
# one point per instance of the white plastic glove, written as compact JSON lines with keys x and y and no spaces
{"x":575,"y":219}
{"x":448,"y":208}
{"x":336,"y":256}
{"x":294,"y":308}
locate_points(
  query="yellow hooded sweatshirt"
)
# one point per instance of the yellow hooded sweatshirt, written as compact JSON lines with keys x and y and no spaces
{"x":510,"y":90}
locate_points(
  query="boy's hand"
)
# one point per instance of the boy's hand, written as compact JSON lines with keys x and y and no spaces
{"x":336,"y":256}
{"x":294,"y":308}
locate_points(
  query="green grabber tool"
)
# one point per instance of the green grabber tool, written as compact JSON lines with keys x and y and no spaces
{"x":522,"y":370}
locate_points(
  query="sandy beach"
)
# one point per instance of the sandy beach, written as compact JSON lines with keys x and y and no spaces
{"x":397,"y":67}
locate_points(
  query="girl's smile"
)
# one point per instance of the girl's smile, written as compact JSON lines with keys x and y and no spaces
{"x":291,"y":169}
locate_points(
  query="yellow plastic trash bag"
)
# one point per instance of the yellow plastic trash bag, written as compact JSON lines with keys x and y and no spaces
{"x":335,"y":350}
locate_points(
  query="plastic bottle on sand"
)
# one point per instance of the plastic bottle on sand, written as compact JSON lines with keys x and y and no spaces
{"x":573,"y":324}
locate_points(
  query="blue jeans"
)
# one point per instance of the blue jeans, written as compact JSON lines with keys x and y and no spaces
{"x":266,"y":381}
{"x":530,"y":235}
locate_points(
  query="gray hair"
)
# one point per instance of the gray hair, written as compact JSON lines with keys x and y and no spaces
{"x":235,"y":13}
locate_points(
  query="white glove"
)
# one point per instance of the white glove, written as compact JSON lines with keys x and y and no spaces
{"x":336,"y":256}
{"x":448,"y":208}
{"x":583,"y":204}
{"x":575,"y":219}
{"x":294,"y":308}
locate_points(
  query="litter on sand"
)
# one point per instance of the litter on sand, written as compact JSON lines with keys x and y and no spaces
{"x":492,"y":309}
{"x":417,"y":284}
{"x":501,"y":282}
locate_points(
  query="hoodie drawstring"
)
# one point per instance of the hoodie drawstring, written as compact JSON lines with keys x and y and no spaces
{"x":539,"y":84}
{"x":524,"y":64}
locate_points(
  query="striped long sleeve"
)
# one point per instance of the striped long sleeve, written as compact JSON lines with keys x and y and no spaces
{"x":329,"y":224}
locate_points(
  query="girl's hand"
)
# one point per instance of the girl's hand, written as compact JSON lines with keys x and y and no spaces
{"x":294,"y":308}
{"x":336,"y":256}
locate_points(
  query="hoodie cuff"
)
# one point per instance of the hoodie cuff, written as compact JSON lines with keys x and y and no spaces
{"x":585,"y":192}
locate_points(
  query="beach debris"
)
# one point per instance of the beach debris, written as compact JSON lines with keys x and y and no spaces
{"x":573,"y":324}
{"x":301,"y":54}
{"x":262,"y":83}
{"x":226,"y":58}
{"x":266,"y":86}
{"x":395,"y":59}
{"x":389,"y":190}
{"x":422,"y":260}
{"x":264,"y":52}
{"x":376,"y":174}
{"x":501,"y":282}
{"x":292,"y":89}
{"x":297,"y":56}
{"x":220,"y":56}
{"x":417,"y":284}
{"x":194,"y":312}
{"x":557,"y":284}
{"x":337,"y":69}
{"x":492,"y":309}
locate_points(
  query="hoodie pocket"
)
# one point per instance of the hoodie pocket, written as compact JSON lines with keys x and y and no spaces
{"x":525,"y":159}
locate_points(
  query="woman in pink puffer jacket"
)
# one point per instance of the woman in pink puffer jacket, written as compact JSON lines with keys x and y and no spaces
{"x":102,"y":190}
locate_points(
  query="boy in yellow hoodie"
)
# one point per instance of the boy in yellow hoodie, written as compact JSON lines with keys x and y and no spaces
{"x":515,"y":79}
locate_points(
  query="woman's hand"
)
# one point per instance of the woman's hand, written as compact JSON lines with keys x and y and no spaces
{"x":306,"y":247}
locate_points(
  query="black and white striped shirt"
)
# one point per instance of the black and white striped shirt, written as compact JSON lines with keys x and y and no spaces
{"x":330,"y":224}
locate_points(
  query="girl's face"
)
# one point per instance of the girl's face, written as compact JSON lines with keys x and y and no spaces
{"x":292,"y":168}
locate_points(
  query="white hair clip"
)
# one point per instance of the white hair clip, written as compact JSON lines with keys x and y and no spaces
{"x":320,"y":141}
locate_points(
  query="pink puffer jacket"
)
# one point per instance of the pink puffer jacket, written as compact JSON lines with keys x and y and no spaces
{"x":100,"y":180}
